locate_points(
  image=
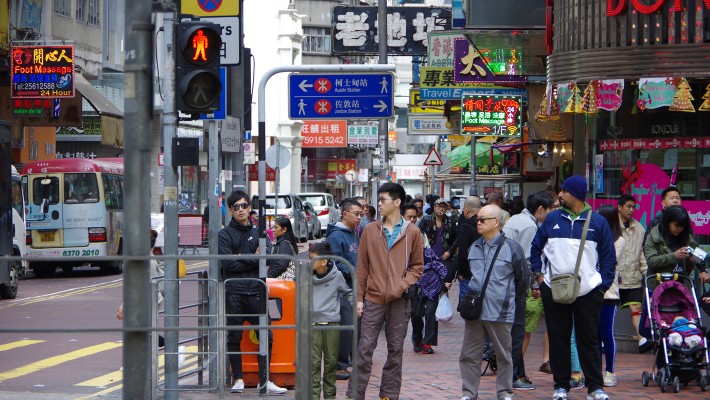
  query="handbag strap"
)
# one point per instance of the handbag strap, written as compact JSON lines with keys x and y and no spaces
{"x":581,"y":245}
{"x":495,"y":256}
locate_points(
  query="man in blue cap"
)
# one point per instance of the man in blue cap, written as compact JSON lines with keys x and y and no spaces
{"x":559,"y":239}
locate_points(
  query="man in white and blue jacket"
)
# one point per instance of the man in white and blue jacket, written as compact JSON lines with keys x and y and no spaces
{"x":506,"y":283}
{"x":558,"y":240}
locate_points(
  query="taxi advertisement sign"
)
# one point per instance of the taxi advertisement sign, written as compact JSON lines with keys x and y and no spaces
{"x":42,"y":71}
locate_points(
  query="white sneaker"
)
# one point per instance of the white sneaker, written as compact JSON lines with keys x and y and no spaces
{"x":181,"y":357}
{"x":609,"y":379}
{"x":238,"y":386}
{"x":271,"y":388}
{"x":560,"y":394}
{"x":597,"y":395}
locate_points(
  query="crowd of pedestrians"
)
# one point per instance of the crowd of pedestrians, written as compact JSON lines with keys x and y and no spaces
{"x":510,"y":258}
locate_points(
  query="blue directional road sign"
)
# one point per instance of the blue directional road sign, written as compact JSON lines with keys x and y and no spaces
{"x":340,"y":96}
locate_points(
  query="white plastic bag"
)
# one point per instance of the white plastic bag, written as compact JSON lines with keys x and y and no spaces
{"x":444,"y":312}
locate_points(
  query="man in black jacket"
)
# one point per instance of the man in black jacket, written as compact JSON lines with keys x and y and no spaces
{"x":467,"y":234}
{"x":243,"y":296}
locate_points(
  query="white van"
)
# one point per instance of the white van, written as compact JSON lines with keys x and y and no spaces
{"x":327,"y":209}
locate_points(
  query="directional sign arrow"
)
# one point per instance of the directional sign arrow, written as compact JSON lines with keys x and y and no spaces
{"x":303,"y":85}
{"x":382,"y":106}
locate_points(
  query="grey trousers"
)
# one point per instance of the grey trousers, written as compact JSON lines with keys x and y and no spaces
{"x":395,"y":316}
{"x":474,"y":339}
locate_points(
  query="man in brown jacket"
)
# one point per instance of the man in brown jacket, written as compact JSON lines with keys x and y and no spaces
{"x":390,"y":261}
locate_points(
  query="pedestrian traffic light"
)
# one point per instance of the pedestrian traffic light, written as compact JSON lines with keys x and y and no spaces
{"x":197,"y":85}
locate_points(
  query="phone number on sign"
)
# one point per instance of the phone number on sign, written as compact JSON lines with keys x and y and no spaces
{"x":324,"y":141}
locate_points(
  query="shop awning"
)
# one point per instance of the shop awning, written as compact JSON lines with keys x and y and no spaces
{"x":111,"y":116}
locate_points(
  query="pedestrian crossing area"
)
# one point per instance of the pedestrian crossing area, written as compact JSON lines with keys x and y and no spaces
{"x":31,"y":365}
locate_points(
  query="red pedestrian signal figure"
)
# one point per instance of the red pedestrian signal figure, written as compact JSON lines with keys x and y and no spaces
{"x":200,"y":43}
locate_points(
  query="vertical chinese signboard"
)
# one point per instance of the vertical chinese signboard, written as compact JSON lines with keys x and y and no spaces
{"x":490,"y":115}
{"x":42,"y":71}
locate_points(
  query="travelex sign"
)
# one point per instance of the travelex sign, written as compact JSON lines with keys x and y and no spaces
{"x":42,"y":71}
{"x":491,"y":115}
{"x":339,"y":96}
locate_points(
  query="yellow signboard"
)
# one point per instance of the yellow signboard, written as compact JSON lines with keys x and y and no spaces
{"x":418,"y":106}
{"x":443,"y":77}
{"x":210,"y":8}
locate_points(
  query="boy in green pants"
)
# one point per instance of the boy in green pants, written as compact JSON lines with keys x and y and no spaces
{"x":328,"y":282}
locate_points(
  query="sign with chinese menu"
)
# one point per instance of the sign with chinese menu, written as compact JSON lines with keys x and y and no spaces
{"x":340,"y":167}
{"x":355,"y":29}
{"x":319,"y":133}
{"x":490,"y":115}
{"x":42,"y":71}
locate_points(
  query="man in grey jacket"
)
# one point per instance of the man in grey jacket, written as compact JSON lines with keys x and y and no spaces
{"x":498,"y":313}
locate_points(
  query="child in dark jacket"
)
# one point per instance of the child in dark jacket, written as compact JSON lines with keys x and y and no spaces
{"x":328,"y":283}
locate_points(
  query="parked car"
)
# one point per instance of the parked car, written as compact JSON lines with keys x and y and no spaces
{"x":288,"y":205}
{"x":314,"y":225}
{"x":325,"y":206}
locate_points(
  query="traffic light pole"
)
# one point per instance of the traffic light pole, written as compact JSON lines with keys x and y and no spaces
{"x":138,"y":100}
{"x":170,"y":209}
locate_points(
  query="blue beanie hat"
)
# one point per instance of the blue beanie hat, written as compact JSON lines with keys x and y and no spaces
{"x":576,"y":185}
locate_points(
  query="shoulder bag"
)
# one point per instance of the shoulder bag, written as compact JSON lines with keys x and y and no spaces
{"x":565,"y":287}
{"x":290,"y":273}
{"x":472,"y":303}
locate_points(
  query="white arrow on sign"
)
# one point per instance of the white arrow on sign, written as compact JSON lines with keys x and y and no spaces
{"x":382,"y":106}
{"x":303,"y":85}
{"x":433,"y":158}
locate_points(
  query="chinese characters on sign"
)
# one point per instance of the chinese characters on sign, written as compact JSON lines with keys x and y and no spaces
{"x":499,"y":65}
{"x":330,"y":133}
{"x":483,"y":115}
{"x":355,"y":29}
{"x":340,"y":167}
{"x":42,"y":71}
{"x":78,"y":154}
{"x":362,"y":136}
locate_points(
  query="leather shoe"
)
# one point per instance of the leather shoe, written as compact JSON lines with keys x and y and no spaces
{"x":342,"y":375}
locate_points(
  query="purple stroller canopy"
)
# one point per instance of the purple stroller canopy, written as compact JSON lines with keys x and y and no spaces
{"x":672,"y":294}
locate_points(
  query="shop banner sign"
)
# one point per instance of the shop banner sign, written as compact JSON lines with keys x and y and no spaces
{"x":654,"y":144}
{"x":470,"y":67}
{"x":362,"y":135}
{"x":609,"y":94}
{"x":433,"y":125}
{"x":340,"y":167}
{"x":322,"y":133}
{"x":491,"y":115}
{"x":655,"y":93}
{"x":42,"y":71}
{"x":440,"y":52}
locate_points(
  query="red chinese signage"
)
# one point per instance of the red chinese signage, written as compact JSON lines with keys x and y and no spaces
{"x":42,"y":71}
{"x":254,"y":173}
{"x":340,"y":167}
{"x":616,"y":7}
{"x":654,"y":144}
{"x":330,"y":133}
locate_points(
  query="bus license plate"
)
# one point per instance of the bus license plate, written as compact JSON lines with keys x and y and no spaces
{"x":46,"y":237}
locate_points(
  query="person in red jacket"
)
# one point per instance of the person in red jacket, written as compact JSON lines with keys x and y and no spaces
{"x":390,"y":260}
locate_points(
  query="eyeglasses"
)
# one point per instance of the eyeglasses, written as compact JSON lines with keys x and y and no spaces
{"x":383,"y":199}
{"x":483,"y":220}
{"x":244,"y":206}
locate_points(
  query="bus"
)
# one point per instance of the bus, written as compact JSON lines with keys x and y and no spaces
{"x":12,"y":226}
{"x":74,"y":209}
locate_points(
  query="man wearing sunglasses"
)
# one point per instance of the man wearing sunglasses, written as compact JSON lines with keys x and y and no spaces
{"x":243,"y":296}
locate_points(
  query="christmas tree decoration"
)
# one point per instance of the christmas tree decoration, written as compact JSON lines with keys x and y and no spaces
{"x":682,"y":98}
{"x":558,"y":133}
{"x":553,"y":108}
{"x":589,"y":99}
{"x":706,"y":97}
{"x":542,"y":113}
{"x":574,"y":104}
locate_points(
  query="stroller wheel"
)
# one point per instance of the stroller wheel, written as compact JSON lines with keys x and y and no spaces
{"x":676,"y":384}
{"x":704,"y":383}
{"x":663,"y":380}
{"x":644,"y":378}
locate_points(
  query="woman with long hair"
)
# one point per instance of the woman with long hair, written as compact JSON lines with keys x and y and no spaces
{"x":286,"y":244}
{"x":667,"y":245}
{"x":611,"y":298}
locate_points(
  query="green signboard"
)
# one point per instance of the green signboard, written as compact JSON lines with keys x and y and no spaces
{"x":490,"y":115}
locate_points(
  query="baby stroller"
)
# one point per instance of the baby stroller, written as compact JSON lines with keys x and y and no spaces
{"x":680,"y":348}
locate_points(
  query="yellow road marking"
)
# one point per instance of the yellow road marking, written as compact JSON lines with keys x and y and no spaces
{"x":18,"y":344}
{"x":56,"y":360}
